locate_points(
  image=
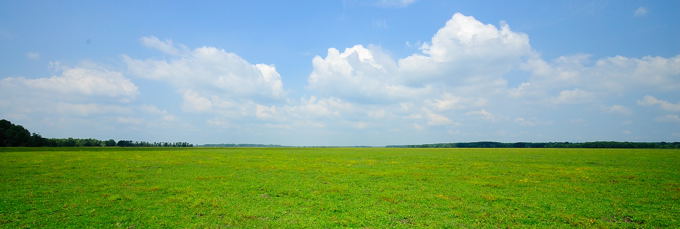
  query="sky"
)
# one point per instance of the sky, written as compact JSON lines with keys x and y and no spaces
{"x":353,"y":72}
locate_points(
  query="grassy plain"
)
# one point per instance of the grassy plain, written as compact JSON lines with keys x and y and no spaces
{"x":338,"y":187}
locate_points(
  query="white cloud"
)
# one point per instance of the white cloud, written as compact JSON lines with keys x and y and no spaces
{"x":357,"y":72}
{"x":166,"y":46}
{"x":33,"y":55}
{"x":564,"y":69}
{"x":211,"y":71}
{"x":606,"y":77}
{"x":622,"y":73}
{"x":164,"y":115}
{"x":451,"y":102}
{"x":464,"y":57}
{"x":665,"y":105}
{"x":311,"y":112}
{"x":525,"y":122}
{"x":572,"y":96}
{"x":467,"y":65}
{"x":669,"y":118}
{"x":465,"y":47}
{"x":640,"y":11}
{"x":448,"y":102}
{"x":320,"y":107}
{"x":129,"y":120}
{"x":214,"y":82}
{"x":466,"y":37}
{"x":81,"y":101}
{"x":377,"y":114}
{"x":617,"y":109}
{"x":434,"y":119}
{"x":193,"y":102}
{"x":265,"y":112}
{"x":360,"y":125}
{"x":77,"y":81}
{"x":483,"y":114}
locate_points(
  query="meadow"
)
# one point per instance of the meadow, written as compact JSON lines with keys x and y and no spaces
{"x":338,"y":187}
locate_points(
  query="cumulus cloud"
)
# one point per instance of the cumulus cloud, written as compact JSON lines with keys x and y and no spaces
{"x":435,"y":119}
{"x":617,"y":109}
{"x":465,"y":69}
{"x":448,"y":101}
{"x":572,"y":96}
{"x":466,"y":51}
{"x":621,"y":73}
{"x":465,"y":56}
{"x":358,"y":73}
{"x":306,"y":111}
{"x":212,"y":81}
{"x":87,"y":100}
{"x":208,"y":71}
{"x":193,"y":102}
{"x":80,"y":99}
{"x":602,"y":78}
{"x":76,"y":81}
{"x":665,"y":105}
{"x":464,"y":40}
{"x":321,"y":107}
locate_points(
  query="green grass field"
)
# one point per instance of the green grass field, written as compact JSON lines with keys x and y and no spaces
{"x":338,"y":187}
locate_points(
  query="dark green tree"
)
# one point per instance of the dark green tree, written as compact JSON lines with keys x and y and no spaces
{"x":110,"y":142}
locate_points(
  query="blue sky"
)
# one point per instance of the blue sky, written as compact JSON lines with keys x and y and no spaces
{"x":343,"y":72}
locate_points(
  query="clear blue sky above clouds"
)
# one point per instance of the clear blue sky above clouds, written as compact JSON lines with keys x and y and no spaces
{"x":342,"y":72}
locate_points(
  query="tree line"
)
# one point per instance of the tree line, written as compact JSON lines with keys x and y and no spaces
{"x":241,"y":145}
{"x":596,"y":144}
{"x":17,"y":135}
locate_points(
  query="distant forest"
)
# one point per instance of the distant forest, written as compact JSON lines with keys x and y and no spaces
{"x":17,"y":135}
{"x":598,"y":144}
